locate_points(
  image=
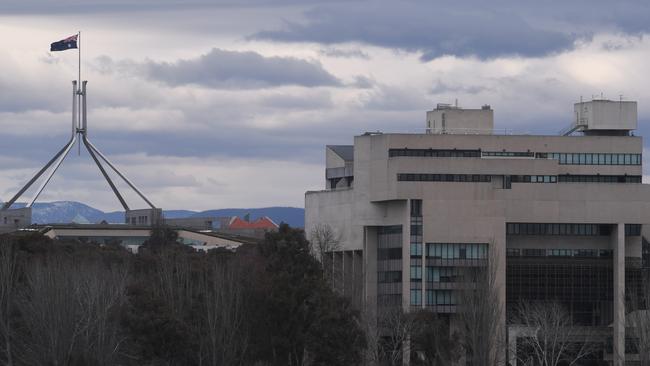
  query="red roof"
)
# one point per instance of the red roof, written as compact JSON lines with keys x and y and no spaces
{"x":261,"y":223}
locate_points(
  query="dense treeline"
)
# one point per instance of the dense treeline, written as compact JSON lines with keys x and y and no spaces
{"x":71,"y":303}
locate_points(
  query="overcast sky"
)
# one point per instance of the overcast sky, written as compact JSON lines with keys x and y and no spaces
{"x":221,"y":104}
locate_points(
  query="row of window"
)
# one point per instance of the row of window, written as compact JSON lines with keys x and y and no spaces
{"x":408,"y":177}
{"x":392,"y":229}
{"x":570,"y":178}
{"x":457,"y":250}
{"x":436,"y":153}
{"x":533,"y":178}
{"x":580,"y":253}
{"x":384,"y":254}
{"x":592,"y":158}
{"x":562,"y":158}
{"x":434,"y":297}
{"x":565,"y":178}
{"x":568,"y":229}
{"x":389,"y":276}
{"x":441,"y":297}
{"x":433,"y":274}
{"x":512,"y":154}
{"x":416,"y":273}
{"x":444,"y":274}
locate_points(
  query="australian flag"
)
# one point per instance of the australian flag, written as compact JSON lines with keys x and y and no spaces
{"x":65,"y":44}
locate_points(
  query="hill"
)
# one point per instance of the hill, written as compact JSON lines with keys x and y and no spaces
{"x":68,"y":211}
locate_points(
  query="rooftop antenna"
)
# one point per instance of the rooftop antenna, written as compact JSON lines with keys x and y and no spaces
{"x":79,"y":132}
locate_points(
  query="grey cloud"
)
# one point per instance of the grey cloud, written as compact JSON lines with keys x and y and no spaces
{"x":386,"y":97}
{"x":338,"y":52}
{"x":472,"y":28}
{"x":310,"y":100}
{"x":363,"y":82}
{"x":222,"y":69}
{"x":95,"y":6}
{"x":443,"y":88}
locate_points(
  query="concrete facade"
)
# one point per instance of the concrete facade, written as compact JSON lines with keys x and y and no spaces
{"x":580,"y":196}
{"x":196,"y":223}
{"x":447,"y":119}
{"x":12,"y":219}
{"x":144,"y":216}
{"x":133,"y":236}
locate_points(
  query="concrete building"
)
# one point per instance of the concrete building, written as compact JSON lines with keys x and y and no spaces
{"x":132,"y":236}
{"x":561,"y":217}
{"x":144,"y":216}
{"x":16,"y":218}
{"x":196,"y":223}
{"x":255,"y":229}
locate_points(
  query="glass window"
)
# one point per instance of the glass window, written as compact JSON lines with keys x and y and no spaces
{"x":483,"y":251}
{"x":416,"y":208}
{"x":416,"y":249}
{"x":416,"y":229}
{"x":583,"y":159}
{"x":462,"y":252}
{"x":444,"y":297}
{"x":416,"y":297}
{"x":430,"y":297}
{"x":433,"y":274}
{"x":416,"y":273}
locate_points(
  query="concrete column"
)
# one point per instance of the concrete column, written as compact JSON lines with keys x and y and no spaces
{"x":618,"y":328}
{"x":512,"y":346}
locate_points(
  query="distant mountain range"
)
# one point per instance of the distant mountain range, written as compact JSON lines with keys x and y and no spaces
{"x":69,"y":211}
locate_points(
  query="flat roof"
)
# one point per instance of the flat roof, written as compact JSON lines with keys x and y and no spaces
{"x":346,"y":152}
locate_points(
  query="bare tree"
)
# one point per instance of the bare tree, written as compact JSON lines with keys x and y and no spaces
{"x":372,"y":354}
{"x":395,"y":329}
{"x":433,"y":343}
{"x":8,"y":279}
{"x":66,"y":312}
{"x":102,"y":293}
{"x":639,"y":322}
{"x":224,"y":339}
{"x":548,"y":337}
{"x":323,"y":241}
{"x":481,"y":317}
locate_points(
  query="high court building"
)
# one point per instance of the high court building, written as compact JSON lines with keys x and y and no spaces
{"x":561,"y":217}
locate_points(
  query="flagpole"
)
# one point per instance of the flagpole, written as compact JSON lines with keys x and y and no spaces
{"x":79,"y":90}
{"x":79,"y":49}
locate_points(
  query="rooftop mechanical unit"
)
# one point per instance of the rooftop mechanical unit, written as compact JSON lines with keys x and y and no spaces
{"x":603,"y":117}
